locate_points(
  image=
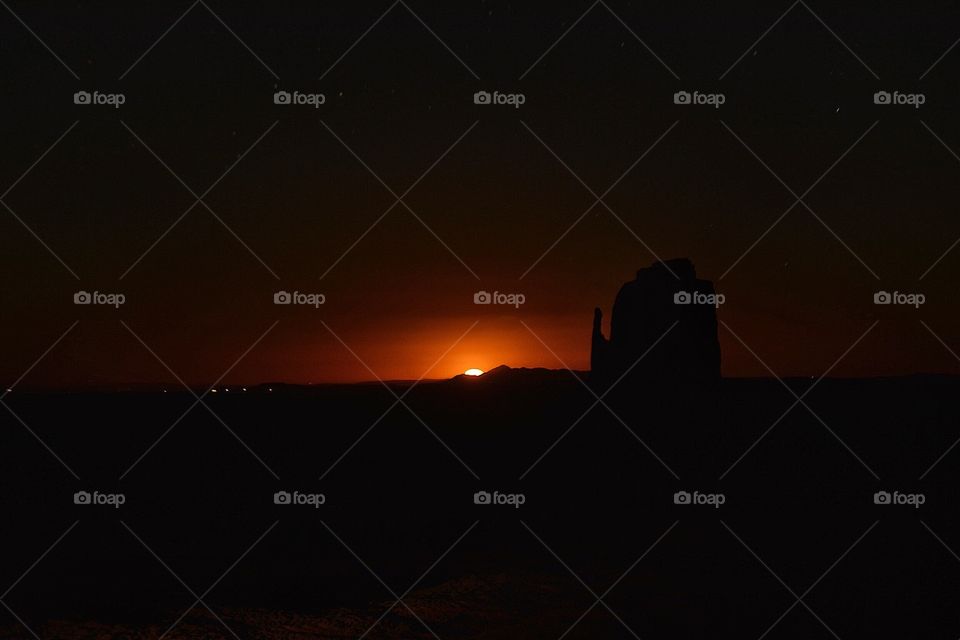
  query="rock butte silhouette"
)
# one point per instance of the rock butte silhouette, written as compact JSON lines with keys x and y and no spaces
{"x":642,"y":344}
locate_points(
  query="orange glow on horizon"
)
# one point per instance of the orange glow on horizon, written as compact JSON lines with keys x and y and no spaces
{"x":443,"y":349}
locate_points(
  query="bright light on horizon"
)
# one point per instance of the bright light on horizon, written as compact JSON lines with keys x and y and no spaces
{"x":473,"y":372}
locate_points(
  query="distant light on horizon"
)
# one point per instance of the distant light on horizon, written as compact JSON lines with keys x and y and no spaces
{"x":473,"y":372}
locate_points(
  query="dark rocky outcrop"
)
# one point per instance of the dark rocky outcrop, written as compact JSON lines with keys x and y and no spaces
{"x":642,"y":343}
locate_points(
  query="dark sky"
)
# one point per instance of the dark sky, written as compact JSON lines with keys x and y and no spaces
{"x":402,"y":296}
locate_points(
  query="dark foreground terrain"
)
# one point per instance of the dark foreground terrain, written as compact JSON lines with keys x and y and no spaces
{"x":597,"y":549}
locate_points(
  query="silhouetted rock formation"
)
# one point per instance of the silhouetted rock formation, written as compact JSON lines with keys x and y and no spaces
{"x":664,"y":295}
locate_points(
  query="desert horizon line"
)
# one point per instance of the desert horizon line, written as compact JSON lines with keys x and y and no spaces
{"x":248,"y":387}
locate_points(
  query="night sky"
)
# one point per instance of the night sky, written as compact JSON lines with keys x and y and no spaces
{"x":292,"y":188}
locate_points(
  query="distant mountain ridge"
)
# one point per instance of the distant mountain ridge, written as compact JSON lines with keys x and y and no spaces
{"x":506,"y":374}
